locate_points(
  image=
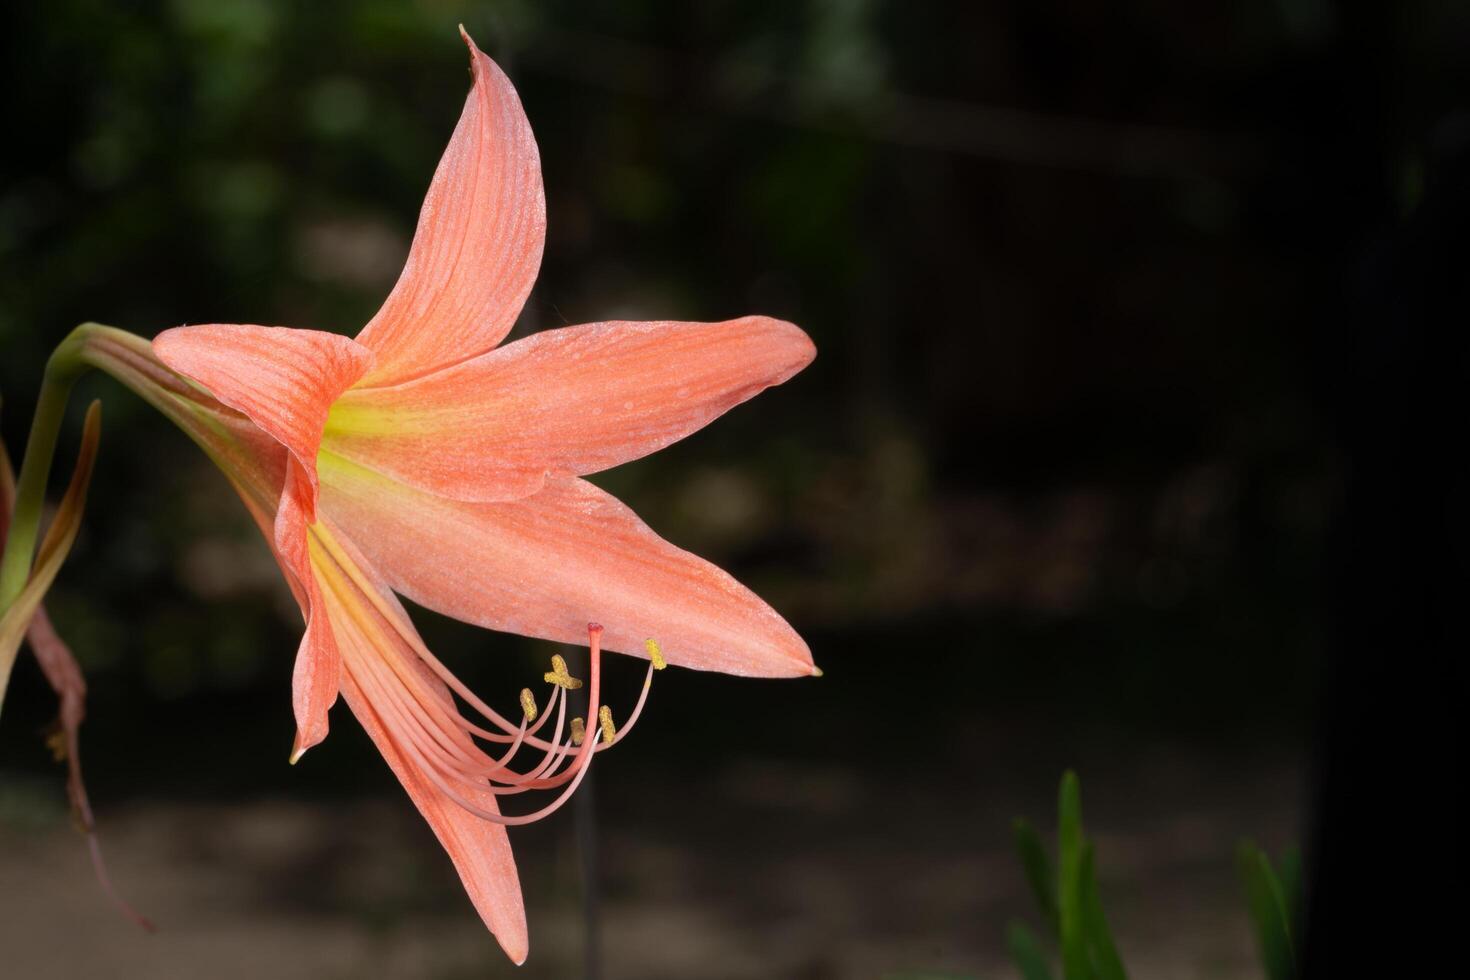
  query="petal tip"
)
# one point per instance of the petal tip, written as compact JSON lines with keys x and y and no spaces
{"x":797,"y":348}
{"x":478,"y":58}
{"x":803,"y":349}
{"x":299,"y":745}
{"x":513,"y":938}
{"x":816,"y":671}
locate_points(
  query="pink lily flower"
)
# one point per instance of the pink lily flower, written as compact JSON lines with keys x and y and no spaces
{"x":423,"y":459}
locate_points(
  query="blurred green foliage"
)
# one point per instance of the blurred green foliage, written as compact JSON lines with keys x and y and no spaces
{"x":1275,"y":901}
{"x":1068,"y":899}
{"x":1072,"y":911}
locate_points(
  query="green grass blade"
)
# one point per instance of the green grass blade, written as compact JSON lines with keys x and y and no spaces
{"x":1075,"y":964}
{"x":1026,"y":951}
{"x":1106,"y":962}
{"x":1267,"y":903}
{"x":1039,"y":873}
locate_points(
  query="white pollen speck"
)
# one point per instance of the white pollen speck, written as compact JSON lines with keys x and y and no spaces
{"x":627,"y":406}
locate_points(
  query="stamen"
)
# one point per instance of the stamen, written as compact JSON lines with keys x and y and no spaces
{"x":560,"y":676}
{"x":637,"y":709}
{"x":655,"y":654}
{"x":412,"y":695}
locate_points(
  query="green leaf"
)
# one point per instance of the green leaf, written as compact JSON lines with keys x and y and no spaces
{"x":1027,"y":953}
{"x":1075,"y":964}
{"x":1269,"y":914}
{"x":1106,"y":962}
{"x":1039,"y":873}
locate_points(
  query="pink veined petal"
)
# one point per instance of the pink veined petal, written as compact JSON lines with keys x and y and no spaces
{"x":551,"y":563}
{"x":480,"y":849}
{"x":283,"y":380}
{"x":576,"y":399}
{"x":316,"y":677}
{"x":478,"y":245}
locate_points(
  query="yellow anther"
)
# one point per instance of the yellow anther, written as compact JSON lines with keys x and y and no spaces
{"x":560,"y":676}
{"x":528,"y":704}
{"x":604,"y":720}
{"x":579,"y":731}
{"x":655,"y":654}
{"x":56,"y":742}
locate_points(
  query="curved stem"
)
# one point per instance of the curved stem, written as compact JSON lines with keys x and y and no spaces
{"x":62,"y":371}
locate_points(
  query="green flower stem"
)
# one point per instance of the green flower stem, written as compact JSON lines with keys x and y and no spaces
{"x":224,"y":434}
{"x":62,"y":371}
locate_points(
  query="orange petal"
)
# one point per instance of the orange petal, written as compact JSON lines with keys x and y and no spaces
{"x":316,"y":678}
{"x":577,"y":399}
{"x":549,"y":564}
{"x":478,"y":245}
{"x":284,"y":380}
{"x":480,"y":849}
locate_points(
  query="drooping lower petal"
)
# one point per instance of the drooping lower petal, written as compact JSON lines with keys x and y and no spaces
{"x":379,"y":665}
{"x":316,"y":677}
{"x":284,"y":380}
{"x":549,"y":564}
{"x":478,"y":245}
{"x":479,"y":849}
{"x":577,"y":399}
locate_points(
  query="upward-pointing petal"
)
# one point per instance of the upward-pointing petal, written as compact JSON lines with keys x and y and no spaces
{"x":478,"y":246}
{"x":284,"y":380}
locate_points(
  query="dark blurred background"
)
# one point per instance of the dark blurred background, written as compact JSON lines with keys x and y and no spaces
{"x":1058,"y":491}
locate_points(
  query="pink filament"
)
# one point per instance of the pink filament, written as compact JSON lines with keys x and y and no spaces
{"x":427,"y":725}
{"x":433,"y":767}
